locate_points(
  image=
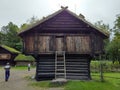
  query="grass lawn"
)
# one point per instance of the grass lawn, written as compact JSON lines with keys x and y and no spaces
{"x":112,"y":82}
{"x":18,"y":67}
{"x":21,"y":67}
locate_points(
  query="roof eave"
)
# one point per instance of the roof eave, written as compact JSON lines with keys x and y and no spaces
{"x":41,"y":21}
{"x":91,"y":25}
{"x":59,"y":11}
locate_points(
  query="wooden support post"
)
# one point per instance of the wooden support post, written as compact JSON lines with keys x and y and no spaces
{"x":101,"y":70}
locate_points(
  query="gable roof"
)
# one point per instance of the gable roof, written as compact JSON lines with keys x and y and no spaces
{"x":9,"y":49}
{"x":73,"y":14}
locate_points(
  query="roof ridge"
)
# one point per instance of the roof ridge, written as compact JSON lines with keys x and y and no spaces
{"x":85,"y":21}
{"x":44,"y":19}
{"x":70,"y":12}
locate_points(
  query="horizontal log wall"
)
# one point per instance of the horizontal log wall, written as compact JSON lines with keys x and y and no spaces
{"x":45,"y":68}
{"x":76,"y":68}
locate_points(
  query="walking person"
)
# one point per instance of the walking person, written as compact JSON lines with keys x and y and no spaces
{"x":7,"y":71}
{"x":29,"y":67}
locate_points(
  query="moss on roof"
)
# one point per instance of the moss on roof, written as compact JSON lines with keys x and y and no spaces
{"x":12,"y":50}
{"x":22,"y":57}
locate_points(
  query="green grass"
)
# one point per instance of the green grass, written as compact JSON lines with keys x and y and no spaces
{"x":91,"y":85}
{"x":21,"y":67}
{"x":112,"y":82}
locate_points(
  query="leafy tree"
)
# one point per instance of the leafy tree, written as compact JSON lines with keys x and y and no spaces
{"x":10,"y":37}
{"x":113,"y":49}
{"x":117,"y":25}
{"x":105,"y":28}
{"x":30,"y":22}
{"x":9,"y":33}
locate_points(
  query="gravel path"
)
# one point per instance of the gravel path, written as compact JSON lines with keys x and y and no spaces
{"x":17,"y":81}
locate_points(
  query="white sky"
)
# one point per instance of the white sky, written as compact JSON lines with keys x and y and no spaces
{"x":19,"y":11}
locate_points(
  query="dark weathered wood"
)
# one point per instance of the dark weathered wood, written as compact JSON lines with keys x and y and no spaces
{"x":7,"y":56}
{"x":63,"y":32}
{"x":76,"y":68}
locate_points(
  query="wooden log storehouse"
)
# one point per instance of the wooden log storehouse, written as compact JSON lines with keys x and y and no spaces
{"x":7,"y":54}
{"x":63,"y":45}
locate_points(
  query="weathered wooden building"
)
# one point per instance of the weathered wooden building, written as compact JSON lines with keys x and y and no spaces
{"x":7,"y":54}
{"x":63,"y":45}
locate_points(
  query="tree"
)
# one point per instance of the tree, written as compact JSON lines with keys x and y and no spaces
{"x":113,"y":49}
{"x":117,"y":25}
{"x":105,"y":28}
{"x":10,"y":37}
{"x":30,"y":22}
{"x":9,"y":33}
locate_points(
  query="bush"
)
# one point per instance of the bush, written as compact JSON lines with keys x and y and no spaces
{"x":108,"y":66}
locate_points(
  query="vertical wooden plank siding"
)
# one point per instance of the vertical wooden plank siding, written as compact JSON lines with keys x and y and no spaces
{"x":43,"y":45}
{"x":59,"y":44}
{"x":29,"y":43}
{"x":35,"y":42}
{"x":79,"y":44}
{"x":70,"y":44}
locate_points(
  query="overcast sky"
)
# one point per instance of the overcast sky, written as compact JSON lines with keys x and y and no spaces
{"x":19,"y":11}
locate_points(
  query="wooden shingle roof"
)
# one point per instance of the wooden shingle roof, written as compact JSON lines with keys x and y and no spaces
{"x":73,"y":14}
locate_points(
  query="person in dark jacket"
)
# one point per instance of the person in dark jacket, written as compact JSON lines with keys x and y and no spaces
{"x":7,"y":71}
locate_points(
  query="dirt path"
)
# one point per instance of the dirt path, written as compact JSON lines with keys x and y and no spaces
{"x":17,"y":81}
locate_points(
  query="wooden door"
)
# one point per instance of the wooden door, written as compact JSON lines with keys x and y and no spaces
{"x":59,"y":43}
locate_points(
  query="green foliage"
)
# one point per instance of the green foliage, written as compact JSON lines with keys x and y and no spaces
{"x":105,"y":28}
{"x":22,"y":57}
{"x":108,"y":66}
{"x":10,"y":37}
{"x":113,"y":48}
{"x":30,"y":22}
{"x":9,"y":33}
{"x":117,"y":24}
{"x":12,"y":50}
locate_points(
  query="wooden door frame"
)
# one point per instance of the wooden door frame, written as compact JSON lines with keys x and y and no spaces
{"x":63,"y":37}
